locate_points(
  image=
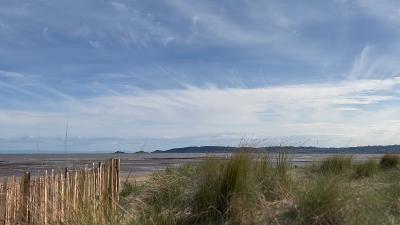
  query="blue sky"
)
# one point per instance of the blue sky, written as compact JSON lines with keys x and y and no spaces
{"x":138,"y":74}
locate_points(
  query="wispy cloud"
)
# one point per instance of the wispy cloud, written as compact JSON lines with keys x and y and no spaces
{"x":375,"y":63}
{"x":206,"y":69}
{"x":10,"y":74}
{"x":268,"y":112}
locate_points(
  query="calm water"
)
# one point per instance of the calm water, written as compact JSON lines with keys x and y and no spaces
{"x":131,"y":164}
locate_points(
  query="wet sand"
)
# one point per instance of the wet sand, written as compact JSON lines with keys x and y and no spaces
{"x":132,"y":165}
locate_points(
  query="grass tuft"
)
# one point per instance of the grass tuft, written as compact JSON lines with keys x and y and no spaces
{"x":366,"y":169}
{"x":336,"y":165}
{"x":389,"y":161}
{"x":321,"y":203}
{"x":128,"y":188}
{"x":219,"y":183}
{"x":274,"y":180}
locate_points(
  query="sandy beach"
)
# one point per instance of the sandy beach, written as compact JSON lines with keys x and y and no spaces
{"x":132,"y":165}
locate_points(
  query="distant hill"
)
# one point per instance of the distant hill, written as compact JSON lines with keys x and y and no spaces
{"x":141,"y":152}
{"x":288,"y":149}
{"x":119,"y":152}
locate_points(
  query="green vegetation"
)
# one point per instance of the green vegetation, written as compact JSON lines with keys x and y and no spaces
{"x":321,"y":202}
{"x":255,"y":189}
{"x":336,"y":165}
{"x":390,"y":161}
{"x":366,"y":169}
{"x":128,"y":188}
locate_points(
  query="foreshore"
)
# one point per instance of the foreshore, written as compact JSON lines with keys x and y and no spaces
{"x":133,"y":166}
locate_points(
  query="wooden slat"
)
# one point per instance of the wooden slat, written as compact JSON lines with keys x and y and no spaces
{"x":25,"y":196}
{"x":3,"y":203}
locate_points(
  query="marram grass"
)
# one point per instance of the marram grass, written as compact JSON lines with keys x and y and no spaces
{"x":389,"y":161}
{"x":259,"y":189}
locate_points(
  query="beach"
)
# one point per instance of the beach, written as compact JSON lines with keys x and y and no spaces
{"x":132,"y":165}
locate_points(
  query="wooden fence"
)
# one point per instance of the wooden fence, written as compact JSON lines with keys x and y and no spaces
{"x":59,"y":197}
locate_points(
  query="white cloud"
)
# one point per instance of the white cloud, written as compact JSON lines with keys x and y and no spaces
{"x":28,"y":85}
{"x":319,"y":109}
{"x":119,"y":6}
{"x":95,"y":44}
{"x":269,"y":27}
{"x":10,"y":74}
{"x":295,"y":41}
{"x":375,"y":62}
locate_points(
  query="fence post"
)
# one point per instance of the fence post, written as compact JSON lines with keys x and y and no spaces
{"x":113,"y":185}
{"x":14,"y":200}
{"x":25,"y":196}
{"x":3,"y":203}
{"x":117,"y":180}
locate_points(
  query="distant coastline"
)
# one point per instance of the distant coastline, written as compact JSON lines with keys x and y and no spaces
{"x":119,"y":152}
{"x":288,"y":149}
{"x":378,"y":149}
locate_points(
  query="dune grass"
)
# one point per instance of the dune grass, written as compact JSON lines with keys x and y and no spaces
{"x":321,"y":201}
{"x":256,"y":189}
{"x":336,"y":165}
{"x":218,"y":191}
{"x":366,"y":169}
{"x":389,"y":161}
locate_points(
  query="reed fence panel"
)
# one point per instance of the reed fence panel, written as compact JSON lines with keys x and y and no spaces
{"x":59,"y":197}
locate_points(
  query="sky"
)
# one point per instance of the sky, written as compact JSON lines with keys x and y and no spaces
{"x":144,"y":75}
